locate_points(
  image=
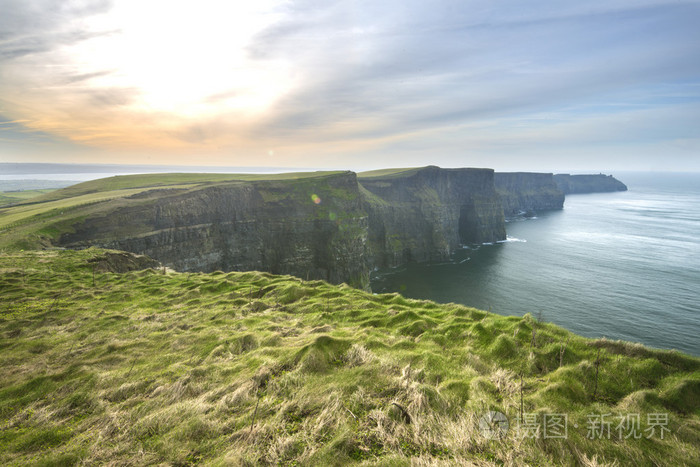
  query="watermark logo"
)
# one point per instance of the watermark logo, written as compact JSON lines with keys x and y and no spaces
{"x":598,"y":426}
{"x":493,"y":425}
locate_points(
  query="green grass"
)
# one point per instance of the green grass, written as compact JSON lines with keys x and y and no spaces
{"x":13,"y":197}
{"x":249,"y":368}
{"x":148,"y":181}
{"x":390,"y":173}
{"x":26,"y":211}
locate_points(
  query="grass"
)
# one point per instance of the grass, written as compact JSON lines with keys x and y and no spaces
{"x":146,"y":181}
{"x":390,"y":173}
{"x":249,"y":368}
{"x":22,"y":212}
{"x":16,"y":196}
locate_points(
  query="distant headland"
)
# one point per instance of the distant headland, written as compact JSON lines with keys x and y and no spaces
{"x":600,"y":183}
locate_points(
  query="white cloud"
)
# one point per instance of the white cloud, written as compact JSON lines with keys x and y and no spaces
{"x":350,"y":79}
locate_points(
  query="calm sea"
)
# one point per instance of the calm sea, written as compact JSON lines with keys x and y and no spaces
{"x":617,"y":265}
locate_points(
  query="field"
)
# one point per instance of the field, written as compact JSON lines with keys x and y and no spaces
{"x":150,"y":181}
{"x":389,"y":173}
{"x":247,"y":368}
{"x":13,"y":197}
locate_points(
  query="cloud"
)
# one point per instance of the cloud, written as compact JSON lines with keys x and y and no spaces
{"x":36,"y":26}
{"x":352,"y":79}
{"x":372,"y":70}
{"x":82,"y":77}
{"x":34,"y":35}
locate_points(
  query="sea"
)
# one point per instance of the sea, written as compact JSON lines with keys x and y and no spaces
{"x":623,"y":265}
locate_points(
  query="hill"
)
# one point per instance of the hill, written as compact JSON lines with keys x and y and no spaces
{"x":104,"y":362}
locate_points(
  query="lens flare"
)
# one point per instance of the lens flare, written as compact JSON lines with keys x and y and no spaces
{"x":315,"y":198}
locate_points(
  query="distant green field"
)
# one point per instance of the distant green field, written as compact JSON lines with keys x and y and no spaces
{"x":12,"y":197}
{"x":145,"y":181}
{"x":390,"y":173}
{"x":25,"y":211}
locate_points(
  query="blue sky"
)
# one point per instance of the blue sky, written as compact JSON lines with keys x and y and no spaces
{"x":513,"y":85}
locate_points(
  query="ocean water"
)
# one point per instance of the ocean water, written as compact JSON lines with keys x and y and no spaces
{"x":618,"y":265}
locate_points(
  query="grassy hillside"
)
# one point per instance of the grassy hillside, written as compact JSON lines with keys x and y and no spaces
{"x":390,"y":173}
{"x":17,"y":196}
{"x":150,"y":181}
{"x":154,"y":366}
{"x":29,"y":223}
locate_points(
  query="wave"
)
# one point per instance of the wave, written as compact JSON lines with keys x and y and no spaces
{"x":512,"y":240}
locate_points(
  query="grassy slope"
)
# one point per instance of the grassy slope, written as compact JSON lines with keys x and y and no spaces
{"x":149,"y":181}
{"x":390,"y":173}
{"x":12,"y":197}
{"x":251,"y":368}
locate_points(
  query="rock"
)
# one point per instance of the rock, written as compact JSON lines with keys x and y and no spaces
{"x":526,"y":193}
{"x":600,"y":183}
{"x":314,"y":228}
{"x":427,"y":213}
{"x":334,"y":226}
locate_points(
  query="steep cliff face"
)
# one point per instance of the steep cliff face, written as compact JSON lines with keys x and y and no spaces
{"x":600,"y":183}
{"x":425,"y":214}
{"x":331,"y":226}
{"x":313,"y":228}
{"x":526,"y":192}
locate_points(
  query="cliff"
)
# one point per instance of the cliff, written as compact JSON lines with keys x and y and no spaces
{"x":334,"y":226}
{"x":573,"y":184}
{"x":524,"y":193}
{"x":313,"y":228}
{"x":319,"y":226}
{"x":426,"y":214}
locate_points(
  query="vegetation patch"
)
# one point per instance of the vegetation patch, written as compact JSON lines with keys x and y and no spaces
{"x":104,"y":363}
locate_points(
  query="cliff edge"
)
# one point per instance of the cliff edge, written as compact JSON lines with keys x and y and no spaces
{"x":599,"y":183}
{"x":334,"y":226}
{"x":425,"y":214}
{"x":313,"y":228}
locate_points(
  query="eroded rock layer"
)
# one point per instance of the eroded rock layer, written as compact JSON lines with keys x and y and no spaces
{"x":425,"y":214}
{"x":525,"y":193}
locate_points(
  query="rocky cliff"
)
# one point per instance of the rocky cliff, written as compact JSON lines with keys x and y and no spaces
{"x":525,"y":193}
{"x":334,"y":226}
{"x":572,"y":184}
{"x":313,"y":228}
{"x":323,"y":226}
{"x":425,"y":214}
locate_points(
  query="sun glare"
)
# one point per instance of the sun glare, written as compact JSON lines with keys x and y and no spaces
{"x":185,"y":58}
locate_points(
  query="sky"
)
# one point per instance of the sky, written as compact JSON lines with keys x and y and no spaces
{"x":512,"y":85}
